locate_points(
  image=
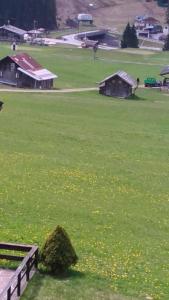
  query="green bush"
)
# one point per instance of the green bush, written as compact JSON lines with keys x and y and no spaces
{"x":58,"y":253}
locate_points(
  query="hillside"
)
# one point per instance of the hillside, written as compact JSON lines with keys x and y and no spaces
{"x":110,"y":13}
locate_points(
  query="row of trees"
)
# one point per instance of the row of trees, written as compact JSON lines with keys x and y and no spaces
{"x":162,"y":2}
{"x":129,"y":38}
{"x":28,"y":14}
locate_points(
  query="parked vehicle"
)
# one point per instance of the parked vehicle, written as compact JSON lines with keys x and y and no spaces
{"x":89,"y":43}
{"x":152,"y":82}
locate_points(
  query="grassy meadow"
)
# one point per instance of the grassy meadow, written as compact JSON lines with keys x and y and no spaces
{"x":97,"y":166}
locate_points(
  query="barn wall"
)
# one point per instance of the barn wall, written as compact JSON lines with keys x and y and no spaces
{"x":8,"y":72}
{"x":5,"y":34}
{"x":116,"y":87}
{"x":11,"y":76}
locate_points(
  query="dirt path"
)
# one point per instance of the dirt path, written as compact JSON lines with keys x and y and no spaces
{"x":49,"y":91}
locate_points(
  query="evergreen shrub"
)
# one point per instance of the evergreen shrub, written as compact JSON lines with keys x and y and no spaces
{"x":58,"y":253}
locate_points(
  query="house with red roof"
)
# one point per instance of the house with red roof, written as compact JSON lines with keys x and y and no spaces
{"x":23,"y":71}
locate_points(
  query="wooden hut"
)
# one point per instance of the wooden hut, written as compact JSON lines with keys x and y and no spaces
{"x":21,"y":70}
{"x":119,"y":84}
{"x":165,"y":72}
{"x":9,"y":32}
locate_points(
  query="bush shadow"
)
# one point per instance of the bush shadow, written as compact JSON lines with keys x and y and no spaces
{"x":73,"y":274}
{"x":35,"y":286}
{"x":135,"y":98}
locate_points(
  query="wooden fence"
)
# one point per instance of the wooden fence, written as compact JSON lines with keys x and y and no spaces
{"x":23,"y":273}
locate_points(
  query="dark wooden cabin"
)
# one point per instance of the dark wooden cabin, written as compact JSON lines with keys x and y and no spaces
{"x":12,"y":33}
{"x":119,"y":84}
{"x":21,"y":70}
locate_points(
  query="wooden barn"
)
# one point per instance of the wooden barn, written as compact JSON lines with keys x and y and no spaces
{"x":119,"y":84}
{"x":12,"y":33}
{"x":21,"y":70}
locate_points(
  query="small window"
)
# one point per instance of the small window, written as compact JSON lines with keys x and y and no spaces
{"x":12,"y":67}
{"x":1,"y":74}
{"x":17,"y":75}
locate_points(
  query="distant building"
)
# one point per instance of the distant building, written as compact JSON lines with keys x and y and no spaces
{"x":143,"y":33}
{"x":119,"y":84}
{"x":35,"y":33}
{"x":85,"y":19}
{"x":150,"y":21}
{"x":21,"y":70}
{"x":86,"y":43}
{"x":166,"y":30}
{"x":9,"y":32}
{"x":103,"y":37}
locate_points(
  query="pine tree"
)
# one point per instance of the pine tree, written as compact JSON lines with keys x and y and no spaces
{"x":126,"y":36}
{"x":167,"y":14}
{"x":23,"y":13}
{"x":134,"y":39}
{"x":166,"y":44}
{"x":129,"y":38}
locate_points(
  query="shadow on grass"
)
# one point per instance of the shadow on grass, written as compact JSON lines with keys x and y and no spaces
{"x":135,"y":98}
{"x":38,"y":279}
{"x":35,"y":286}
{"x":73,"y":274}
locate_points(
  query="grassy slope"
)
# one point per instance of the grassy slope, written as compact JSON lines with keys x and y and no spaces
{"x":76,"y":67}
{"x":99,"y":167}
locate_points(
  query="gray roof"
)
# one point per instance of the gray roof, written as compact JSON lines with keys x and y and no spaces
{"x":165,"y":70}
{"x":39,"y":75}
{"x":123,"y":75}
{"x":14,"y":29}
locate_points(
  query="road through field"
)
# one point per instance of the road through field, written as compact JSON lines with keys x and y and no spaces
{"x":49,"y":91}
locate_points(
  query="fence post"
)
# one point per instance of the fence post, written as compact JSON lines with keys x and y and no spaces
{"x":36,"y":259}
{"x":27,"y":270}
{"x":9,"y":294}
{"x":19,"y":285}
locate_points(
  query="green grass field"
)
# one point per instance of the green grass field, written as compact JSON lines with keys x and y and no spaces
{"x":97,"y":166}
{"x":76,"y":67}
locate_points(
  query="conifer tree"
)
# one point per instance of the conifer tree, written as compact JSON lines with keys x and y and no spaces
{"x":58,"y":253}
{"x":126,"y":36}
{"x":129,"y":38}
{"x":167,"y":14}
{"x":166,"y":44}
{"x":23,"y":13}
{"x":134,"y":39}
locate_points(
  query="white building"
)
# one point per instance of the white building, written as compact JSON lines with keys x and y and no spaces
{"x":85,"y":19}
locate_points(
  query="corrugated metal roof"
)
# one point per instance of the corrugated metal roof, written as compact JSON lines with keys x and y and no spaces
{"x":85,"y":17}
{"x":126,"y":77}
{"x":31,"y":67}
{"x":165,"y":70}
{"x":150,"y":20}
{"x":39,"y":75}
{"x":14,"y":29}
{"x":34,"y":31}
{"x":26,"y":62}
